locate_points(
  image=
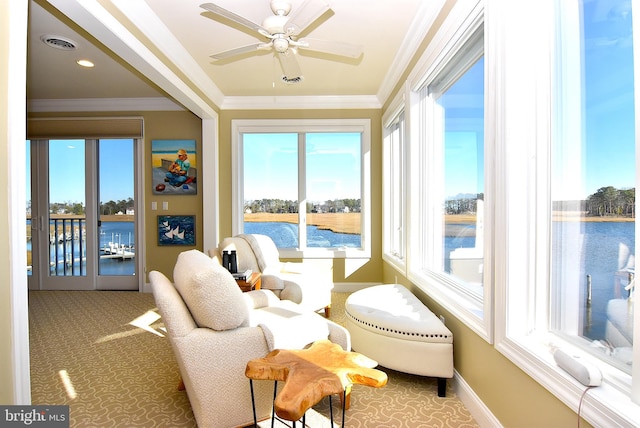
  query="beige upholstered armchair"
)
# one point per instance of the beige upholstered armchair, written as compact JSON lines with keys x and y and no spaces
{"x":289,"y":281}
{"x":215,"y":329}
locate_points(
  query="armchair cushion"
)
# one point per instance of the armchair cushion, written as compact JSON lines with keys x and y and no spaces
{"x":265,"y":251}
{"x":285,"y":327}
{"x":244,"y":253}
{"x":210,"y":292}
{"x":257,"y":299}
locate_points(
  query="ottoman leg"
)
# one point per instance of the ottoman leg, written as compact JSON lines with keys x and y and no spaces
{"x":442,"y":387}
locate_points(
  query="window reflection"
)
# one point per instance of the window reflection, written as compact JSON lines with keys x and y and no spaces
{"x":463,"y":217}
{"x":593,"y":192}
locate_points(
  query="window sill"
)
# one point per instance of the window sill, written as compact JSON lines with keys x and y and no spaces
{"x":464,"y":305}
{"x":396,"y":262}
{"x":324,"y":253}
{"x":602,"y":406}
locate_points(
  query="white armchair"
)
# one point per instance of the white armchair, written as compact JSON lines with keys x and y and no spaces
{"x":215,"y":329}
{"x":289,"y":281}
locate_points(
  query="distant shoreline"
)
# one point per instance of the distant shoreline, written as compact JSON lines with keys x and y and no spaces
{"x":350,"y":222}
{"x":336,"y":222}
{"x":578,"y":216}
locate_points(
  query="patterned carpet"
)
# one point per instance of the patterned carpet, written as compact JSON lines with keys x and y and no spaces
{"x":104,"y":354}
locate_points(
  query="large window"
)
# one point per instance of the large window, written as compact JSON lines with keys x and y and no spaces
{"x":446,"y":238}
{"x":593,"y":187}
{"x":568,"y":153}
{"x":304,"y":184}
{"x":395,"y":201}
{"x":521,"y":178}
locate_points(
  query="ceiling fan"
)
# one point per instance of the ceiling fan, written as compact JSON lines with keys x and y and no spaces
{"x":281,"y":32}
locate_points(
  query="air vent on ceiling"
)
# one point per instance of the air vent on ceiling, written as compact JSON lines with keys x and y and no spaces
{"x":292,"y":80}
{"x":59,"y":42}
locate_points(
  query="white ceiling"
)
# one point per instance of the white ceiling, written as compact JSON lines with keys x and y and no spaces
{"x":152,"y":48}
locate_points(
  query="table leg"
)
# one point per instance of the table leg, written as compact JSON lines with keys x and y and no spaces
{"x":346,"y":397}
{"x":273,"y":406}
{"x":344,"y":404}
{"x":253,"y":404}
{"x":331,"y":411}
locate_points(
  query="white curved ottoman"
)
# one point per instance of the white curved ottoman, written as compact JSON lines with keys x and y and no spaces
{"x":392,"y":326}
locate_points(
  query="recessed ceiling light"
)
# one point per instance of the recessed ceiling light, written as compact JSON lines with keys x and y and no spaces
{"x":85,"y":63}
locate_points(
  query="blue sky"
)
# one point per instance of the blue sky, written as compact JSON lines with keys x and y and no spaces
{"x":464,"y":133}
{"x":67,"y":170}
{"x":332,"y":163}
{"x":609,"y":106}
{"x":607,"y":149}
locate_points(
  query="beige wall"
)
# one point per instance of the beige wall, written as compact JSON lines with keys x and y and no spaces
{"x":358,"y":271}
{"x":164,"y":126}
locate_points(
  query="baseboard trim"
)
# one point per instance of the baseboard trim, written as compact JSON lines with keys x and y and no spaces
{"x":350,"y":287}
{"x":472,"y":402}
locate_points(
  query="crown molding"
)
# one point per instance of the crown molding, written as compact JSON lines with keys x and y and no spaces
{"x":229,"y":103}
{"x":420,"y":26}
{"x":103,"y":104}
{"x":145,"y":20}
{"x":92,"y":16}
{"x":333,"y":102}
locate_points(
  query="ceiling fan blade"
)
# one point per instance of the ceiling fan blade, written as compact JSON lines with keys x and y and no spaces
{"x":240,"y":50}
{"x":331,"y":47}
{"x":290,"y":66}
{"x":305,"y":15}
{"x":217,"y":10}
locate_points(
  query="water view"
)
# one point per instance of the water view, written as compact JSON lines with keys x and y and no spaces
{"x":607,"y":264}
{"x":285,"y":235}
{"x":68,"y":248}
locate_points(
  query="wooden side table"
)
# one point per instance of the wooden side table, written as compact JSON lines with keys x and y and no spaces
{"x":254,"y":282}
{"x":311,"y":374}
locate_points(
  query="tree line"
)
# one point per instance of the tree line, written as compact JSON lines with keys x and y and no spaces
{"x":463,"y":204}
{"x":609,"y":201}
{"x":114,"y":207}
{"x":605,"y":202}
{"x":281,"y":206}
{"x":77,"y":208}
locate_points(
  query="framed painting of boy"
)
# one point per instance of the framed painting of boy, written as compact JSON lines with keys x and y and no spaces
{"x":174,"y":165}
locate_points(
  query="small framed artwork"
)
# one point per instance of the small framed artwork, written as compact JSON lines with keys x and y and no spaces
{"x":176,"y":230}
{"x":174,"y":166}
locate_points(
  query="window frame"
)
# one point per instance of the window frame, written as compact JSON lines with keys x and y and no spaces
{"x":522,"y":317}
{"x":395,"y":183}
{"x":300,"y":126}
{"x":458,"y":43}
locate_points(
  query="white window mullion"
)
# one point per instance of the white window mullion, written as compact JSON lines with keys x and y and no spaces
{"x":302,"y":191}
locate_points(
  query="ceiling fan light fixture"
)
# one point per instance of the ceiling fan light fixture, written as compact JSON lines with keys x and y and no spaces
{"x":275,"y":24}
{"x":280,"y":7}
{"x":282,"y":30}
{"x":281,"y":44}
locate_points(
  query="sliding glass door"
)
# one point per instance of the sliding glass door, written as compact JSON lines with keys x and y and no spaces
{"x":82,"y":215}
